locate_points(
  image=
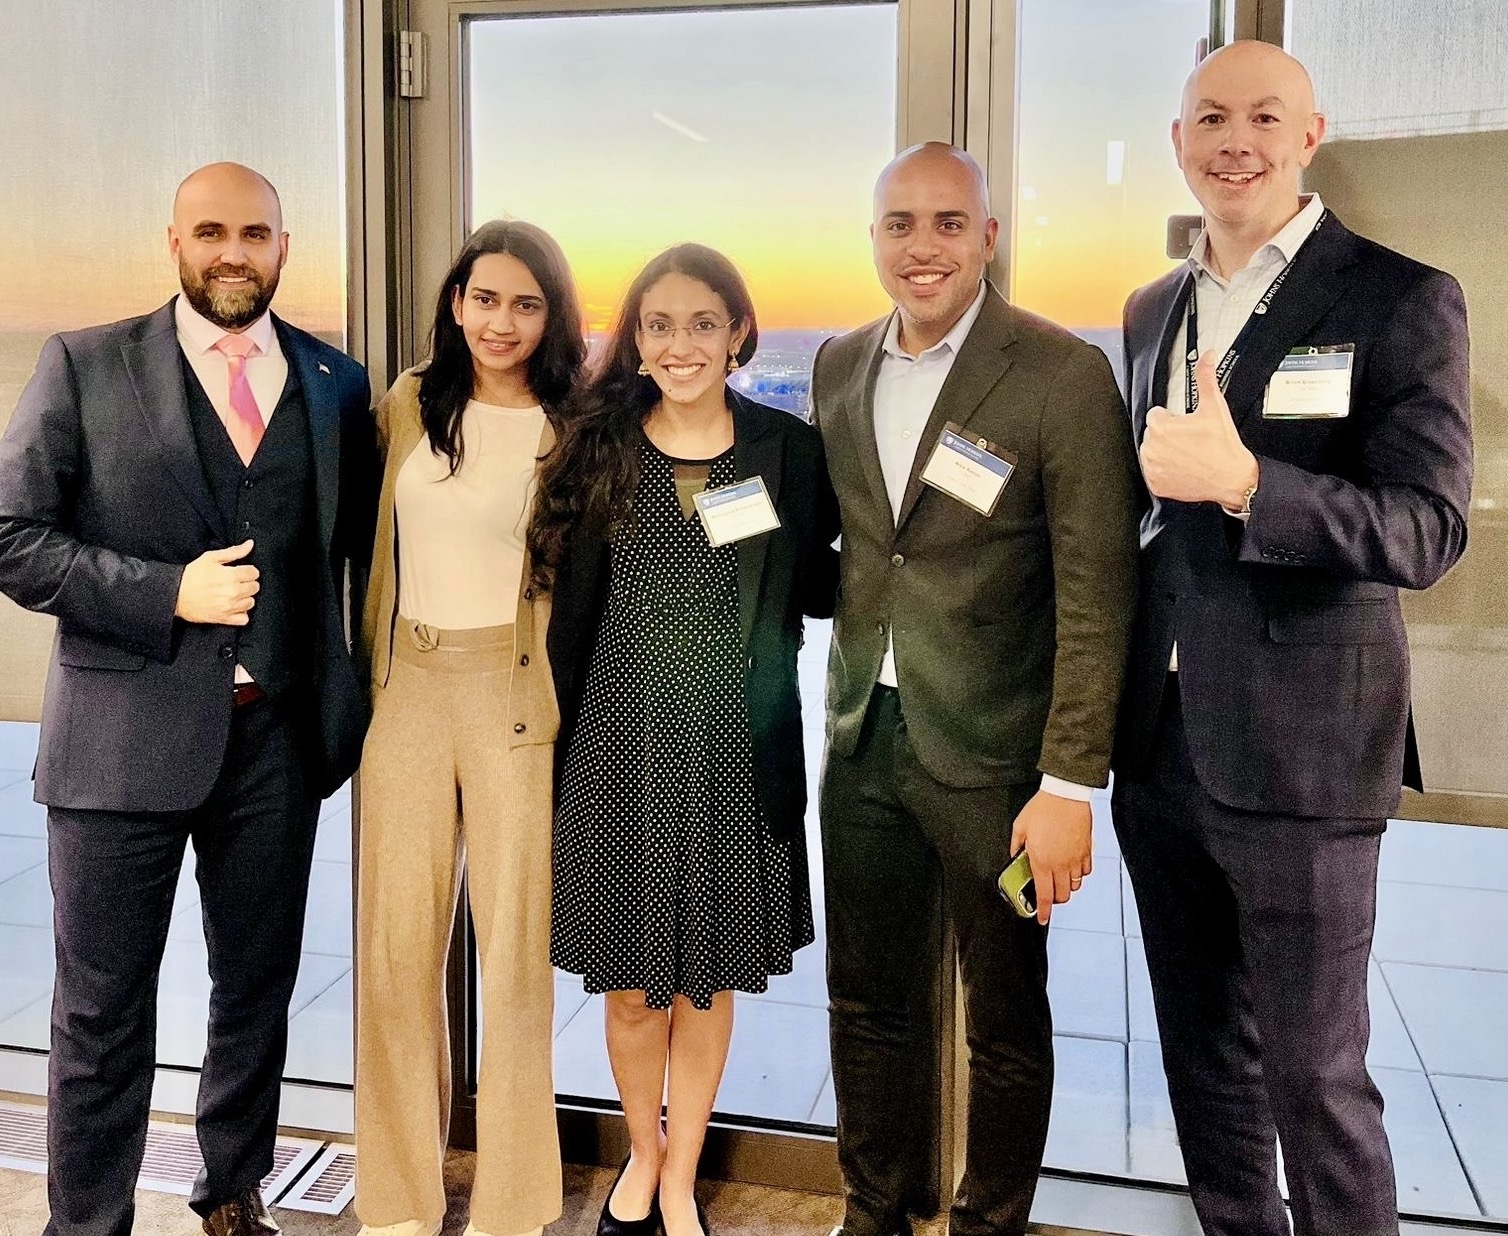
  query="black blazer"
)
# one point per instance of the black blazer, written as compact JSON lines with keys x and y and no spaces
{"x":1292,"y":660}
{"x":103,"y":499}
{"x":782,"y":575}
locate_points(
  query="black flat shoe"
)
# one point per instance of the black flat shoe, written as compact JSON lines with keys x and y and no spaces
{"x":608,"y":1224}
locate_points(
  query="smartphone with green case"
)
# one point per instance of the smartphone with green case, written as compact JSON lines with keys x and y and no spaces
{"x":1017,"y":886}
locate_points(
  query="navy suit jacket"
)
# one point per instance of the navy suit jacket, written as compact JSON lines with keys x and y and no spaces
{"x":1292,"y":660}
{"x":782,"y":574}
{"x":103,"y":500}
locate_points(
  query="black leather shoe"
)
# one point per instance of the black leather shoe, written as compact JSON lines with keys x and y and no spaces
{"x":608,"y":1224}
{"x":244,"y":1215}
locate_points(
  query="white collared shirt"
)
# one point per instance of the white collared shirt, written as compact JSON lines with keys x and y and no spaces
{"x":267,"y":372}
{"x":905,"y":392}
{"x":1225,"y":305}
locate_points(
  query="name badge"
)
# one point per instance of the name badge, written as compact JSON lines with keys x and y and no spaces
{"x":1311,"y":384}
{"x":973,"y":470}
{"x":736,"y":512}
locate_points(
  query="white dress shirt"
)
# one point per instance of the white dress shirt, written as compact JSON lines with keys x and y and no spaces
{"x":1225,"y":305}
{"x":266,"y":372}
{"x":905,"y":391}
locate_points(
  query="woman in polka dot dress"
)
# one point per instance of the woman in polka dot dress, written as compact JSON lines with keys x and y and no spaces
{"x":680,"y":860}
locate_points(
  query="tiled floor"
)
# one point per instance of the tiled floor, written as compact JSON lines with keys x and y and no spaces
{"x":1439,"y":999}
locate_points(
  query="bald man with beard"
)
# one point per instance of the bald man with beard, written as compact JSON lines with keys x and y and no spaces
{"x":184,"y":492}
{"x":1299,"y":396}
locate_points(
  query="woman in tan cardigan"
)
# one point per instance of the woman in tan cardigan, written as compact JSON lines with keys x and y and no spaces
{"x":456,"y":773}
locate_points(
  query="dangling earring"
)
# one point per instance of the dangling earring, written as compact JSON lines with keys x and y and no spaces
{"x":643,"y":370}
{"x":732,"y":363}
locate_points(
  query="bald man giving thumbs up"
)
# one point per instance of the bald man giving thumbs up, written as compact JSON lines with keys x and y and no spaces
{"x":1299,"y":400}
{"x":1199,"y":457}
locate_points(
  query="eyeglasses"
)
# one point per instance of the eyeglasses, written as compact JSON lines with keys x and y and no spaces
{"x":663,"y":332}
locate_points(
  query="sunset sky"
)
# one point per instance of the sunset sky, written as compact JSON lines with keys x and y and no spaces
{"x":758,"y":132}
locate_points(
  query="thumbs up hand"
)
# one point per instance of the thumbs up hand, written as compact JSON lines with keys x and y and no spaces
{"x":1198,"y":457}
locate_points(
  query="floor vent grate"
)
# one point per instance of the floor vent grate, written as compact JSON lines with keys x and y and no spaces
{"x":328,"y":1186}
{"x":169,"y":1165}
{"x":23,"y":1137}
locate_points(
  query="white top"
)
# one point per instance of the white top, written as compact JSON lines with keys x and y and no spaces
{"x":267,"y":373}
{"x":905,"y":391}
{"x":461,"y":537}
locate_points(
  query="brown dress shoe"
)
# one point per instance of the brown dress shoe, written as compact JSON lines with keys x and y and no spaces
{"x":245,"y":1215}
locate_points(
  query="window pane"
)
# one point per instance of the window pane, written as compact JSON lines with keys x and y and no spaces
{"x":1098,"y":182}
{"x":1097,"y":175}
{"x":636,"y":141}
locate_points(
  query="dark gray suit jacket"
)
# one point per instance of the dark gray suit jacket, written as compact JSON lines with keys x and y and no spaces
{"x":1010,"y":631}
{"x":103,"y":500}
{"x":1292,"y":660}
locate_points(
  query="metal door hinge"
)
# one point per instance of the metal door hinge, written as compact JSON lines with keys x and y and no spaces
{"x":413,"y":51}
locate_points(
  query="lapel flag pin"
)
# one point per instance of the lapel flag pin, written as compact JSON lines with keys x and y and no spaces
{"x":323,"y":368}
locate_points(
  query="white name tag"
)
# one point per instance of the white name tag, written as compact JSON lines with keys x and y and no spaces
{"x":736,"y":512}
{"x":1311,"y":384}
{"x":973,"y":470}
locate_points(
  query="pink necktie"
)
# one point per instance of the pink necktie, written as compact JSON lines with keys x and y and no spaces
{"x":245,"y":424}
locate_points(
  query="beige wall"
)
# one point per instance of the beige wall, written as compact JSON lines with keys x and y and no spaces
{"x":1444,"y":200}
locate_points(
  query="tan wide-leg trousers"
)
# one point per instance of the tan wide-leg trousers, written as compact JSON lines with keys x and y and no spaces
{"x":441,"y":789}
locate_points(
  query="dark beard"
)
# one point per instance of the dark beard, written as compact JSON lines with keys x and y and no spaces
{"x":227,"y":310}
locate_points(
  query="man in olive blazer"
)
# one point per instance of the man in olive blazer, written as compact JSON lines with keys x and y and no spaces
{"x":972,"y":688}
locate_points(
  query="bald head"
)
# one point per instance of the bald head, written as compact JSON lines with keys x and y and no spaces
{"x":1253,"y":61}
{"x":228,"y":241}
{"x":1246,"y":132}
{"x":933,"y":238}
{"x":215,"y":181}
{"x":937,"y":161}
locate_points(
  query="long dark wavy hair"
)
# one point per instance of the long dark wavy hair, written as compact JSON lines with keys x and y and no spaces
{"x":449,"y":375}
{"x":587,"y":482}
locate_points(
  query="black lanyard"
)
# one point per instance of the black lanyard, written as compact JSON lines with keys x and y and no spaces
{"x":1233,"y":353}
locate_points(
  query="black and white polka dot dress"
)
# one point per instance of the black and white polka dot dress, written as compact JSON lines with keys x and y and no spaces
{"x":665,"y":877}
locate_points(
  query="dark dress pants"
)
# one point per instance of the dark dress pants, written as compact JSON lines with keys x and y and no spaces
{"x":1257,"y":930}
{"x":901,"y":849}
{"x":113,"y":877}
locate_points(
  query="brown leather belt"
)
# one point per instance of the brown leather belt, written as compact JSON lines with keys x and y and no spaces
{"x":246,"y":693}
